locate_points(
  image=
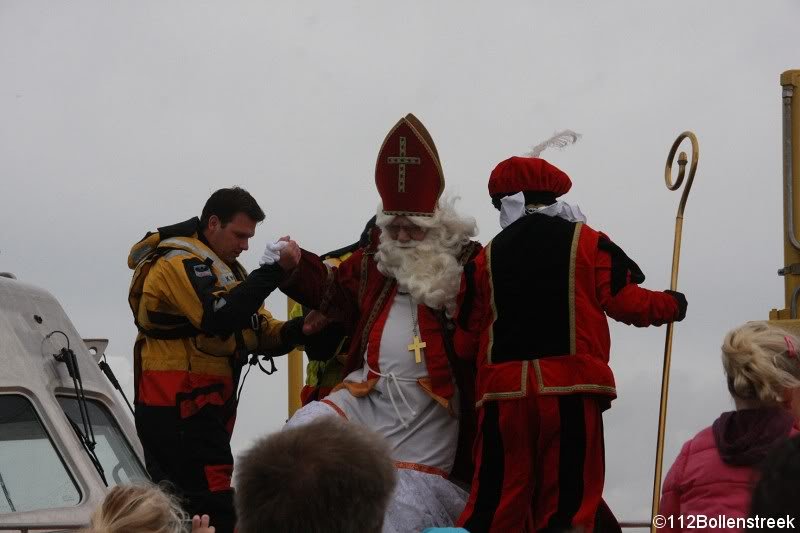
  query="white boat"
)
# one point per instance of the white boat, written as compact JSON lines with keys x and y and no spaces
{"x":65,"y":436}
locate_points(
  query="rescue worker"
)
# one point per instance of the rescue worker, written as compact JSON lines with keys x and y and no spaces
{"x":199,"y":316}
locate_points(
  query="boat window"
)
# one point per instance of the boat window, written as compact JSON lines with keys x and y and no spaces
{"x":32,"y":474}
{"x":119,"y":461}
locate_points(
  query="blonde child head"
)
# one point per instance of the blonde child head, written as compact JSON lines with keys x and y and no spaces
{"x":761,"y":364}
{"x":140,"y":508}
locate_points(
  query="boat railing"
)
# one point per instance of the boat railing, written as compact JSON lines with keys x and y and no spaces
{"x":635,"y":525}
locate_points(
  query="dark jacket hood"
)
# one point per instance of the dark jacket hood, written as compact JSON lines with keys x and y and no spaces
{"x":745,"y":437}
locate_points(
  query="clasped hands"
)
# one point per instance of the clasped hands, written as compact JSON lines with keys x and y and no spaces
{"x":284,"y":251}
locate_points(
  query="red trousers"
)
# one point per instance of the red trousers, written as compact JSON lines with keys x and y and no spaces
{"x":539,"y":465}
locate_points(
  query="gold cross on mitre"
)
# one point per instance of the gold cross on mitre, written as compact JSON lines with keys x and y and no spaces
{"x":417,"y":347}
{"x":402,"y":160}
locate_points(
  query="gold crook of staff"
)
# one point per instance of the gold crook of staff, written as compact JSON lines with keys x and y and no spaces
{"x":676,"y":257}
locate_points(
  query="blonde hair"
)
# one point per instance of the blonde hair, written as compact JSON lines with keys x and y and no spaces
{"x":140,"y":508}
{"x":761,"y":362}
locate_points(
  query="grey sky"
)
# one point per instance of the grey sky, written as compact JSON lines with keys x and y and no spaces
{"x":118,"y":117}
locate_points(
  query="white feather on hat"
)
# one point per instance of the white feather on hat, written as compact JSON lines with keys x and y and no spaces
{"x":559,"y":140}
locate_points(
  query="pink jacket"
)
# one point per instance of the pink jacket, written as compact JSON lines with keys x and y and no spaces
{"x":700,"y":482}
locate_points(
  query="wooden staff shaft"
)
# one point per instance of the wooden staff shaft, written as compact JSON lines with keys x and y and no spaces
{"x":662,"y":411}
{"x":676,"y":257}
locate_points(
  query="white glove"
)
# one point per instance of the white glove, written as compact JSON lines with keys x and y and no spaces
{"x":272,"y":252}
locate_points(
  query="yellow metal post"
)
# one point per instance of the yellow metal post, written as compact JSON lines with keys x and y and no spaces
{"x":790,"y":87}
{"x":295,"y":370}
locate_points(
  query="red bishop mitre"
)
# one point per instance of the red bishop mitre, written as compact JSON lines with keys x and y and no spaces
{"x":518,"y":174}
{"x":408,"y":172}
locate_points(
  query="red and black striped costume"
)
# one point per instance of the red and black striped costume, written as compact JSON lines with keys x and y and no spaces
{"x":545,"y":286}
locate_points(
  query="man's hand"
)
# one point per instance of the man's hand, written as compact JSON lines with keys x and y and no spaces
{"x":272,"y":252}
{"x":314,"y":322}
{"x":200,"y":524}
{"x":289,"y":255}
{"x":680,"y":299}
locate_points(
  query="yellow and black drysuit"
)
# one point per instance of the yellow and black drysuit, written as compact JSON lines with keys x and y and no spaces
{"x":198,"y":320}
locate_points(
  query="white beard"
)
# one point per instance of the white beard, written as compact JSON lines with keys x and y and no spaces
{"x":425,"y":269}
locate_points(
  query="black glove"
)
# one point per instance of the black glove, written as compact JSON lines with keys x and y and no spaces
{"x":680,"y":299}
{"x":323,"y":345}
{"x":292,"y":333}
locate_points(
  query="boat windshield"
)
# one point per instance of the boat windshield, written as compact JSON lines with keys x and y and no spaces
{"x":120,"y":463}
{"x":32,"y":474}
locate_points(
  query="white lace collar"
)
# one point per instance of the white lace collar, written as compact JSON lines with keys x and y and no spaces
{"x":513,"y":207}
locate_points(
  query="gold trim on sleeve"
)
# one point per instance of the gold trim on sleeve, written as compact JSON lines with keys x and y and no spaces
{"x":376,"y":309}
{"x":490,"y":346}
{"x":362,"y":287}
{"x":573,"y":254}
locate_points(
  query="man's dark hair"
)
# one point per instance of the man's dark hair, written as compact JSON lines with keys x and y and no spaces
{"x":776,"y":493}
{"x":328,"y":475}
{"x":225,"y":203}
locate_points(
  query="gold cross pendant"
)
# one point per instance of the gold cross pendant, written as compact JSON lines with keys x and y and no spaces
{"x":417,"y":347}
